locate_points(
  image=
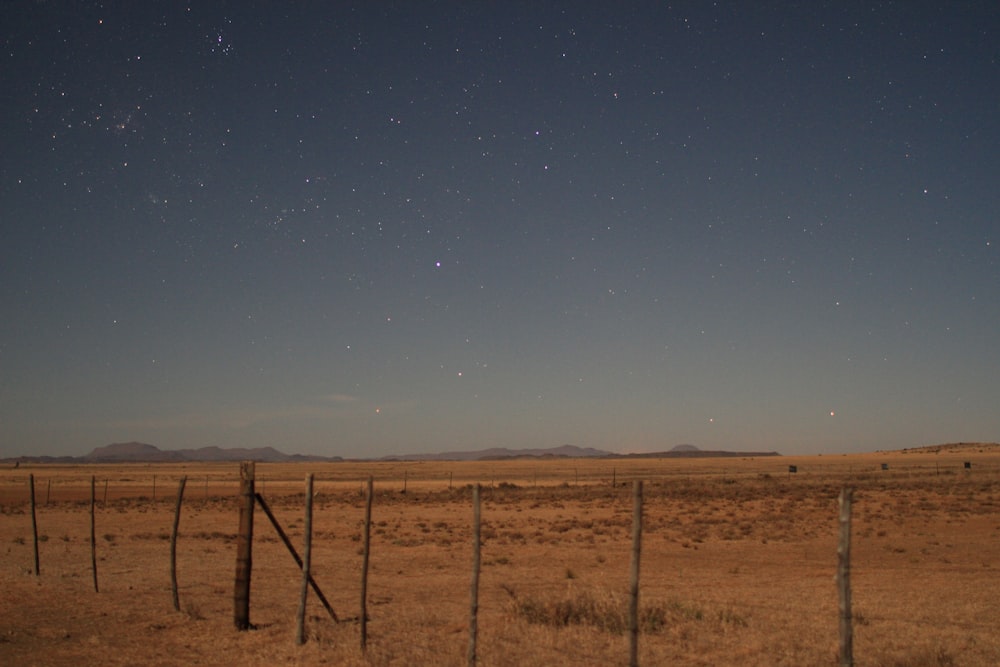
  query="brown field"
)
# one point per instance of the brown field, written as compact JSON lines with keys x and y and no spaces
{"x":738,"y":562}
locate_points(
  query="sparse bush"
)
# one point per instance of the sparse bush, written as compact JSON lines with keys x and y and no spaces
{"x":605,"y":612}
{"x":193,"y":611}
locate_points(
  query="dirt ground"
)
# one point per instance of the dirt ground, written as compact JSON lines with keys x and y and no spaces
{"x":738,"y":562}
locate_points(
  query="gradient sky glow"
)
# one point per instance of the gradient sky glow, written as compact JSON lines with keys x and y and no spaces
{"x":374,"y":228}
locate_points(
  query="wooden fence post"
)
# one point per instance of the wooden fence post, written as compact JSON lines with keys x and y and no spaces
{"x":633,"y":602}
{"x":300,"y":632}
{"x":48,"y":491}
{"x":244,"y":548}
{"x":364,"y":564}
{"x":474,"y":593}
{"x":844,"y":580}
{"x":173,"y":544}
{"x":93,"y":532}
{"x":34,"y":520}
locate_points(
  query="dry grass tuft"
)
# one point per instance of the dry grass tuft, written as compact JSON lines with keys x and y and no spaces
{"x":602,"y":610}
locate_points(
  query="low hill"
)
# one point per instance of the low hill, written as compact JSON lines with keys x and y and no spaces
{"x":693,"y":454}
{"x":501,"y":453}
{"x":138,"y":452}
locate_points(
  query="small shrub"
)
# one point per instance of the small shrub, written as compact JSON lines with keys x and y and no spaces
{"x":606,"y":612}
{"x":193,"y":612}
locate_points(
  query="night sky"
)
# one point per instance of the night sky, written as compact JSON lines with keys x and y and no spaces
{"x":375,"y":228}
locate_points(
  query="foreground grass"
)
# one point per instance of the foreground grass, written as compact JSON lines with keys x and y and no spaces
{"x":737,"y":567}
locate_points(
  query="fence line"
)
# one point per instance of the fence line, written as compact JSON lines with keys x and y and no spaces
{"x":244,"y":559}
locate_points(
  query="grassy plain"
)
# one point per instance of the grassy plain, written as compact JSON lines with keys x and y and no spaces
{"x":738,"y":562}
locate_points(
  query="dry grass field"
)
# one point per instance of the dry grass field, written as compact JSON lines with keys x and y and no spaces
{"x":738,"y":562}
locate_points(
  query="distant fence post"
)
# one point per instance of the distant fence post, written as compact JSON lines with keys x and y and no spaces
{"x":633,"y":602}
{"x":844,"y":580}
{"x":300,"y":631}
{"x":474,"y":593}
{"x":364,"y":565}
{"x":34,"y":520}
{"x":244,"y":548}
{"x":93,"y":532}
{"x":173,"y":544}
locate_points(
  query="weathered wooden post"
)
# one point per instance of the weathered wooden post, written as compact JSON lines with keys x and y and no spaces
{"x":34,"y":520}
{"x":93,"y":532}
{"x":633,"y":602}
{"x":364,"y":565}
{"x":474,"y":601}
{"x":244,"y":548}
{"x":300,"y":632}
{"x":173,"y":543}
{"x":844,"y":580}
{"x":48,"y":491}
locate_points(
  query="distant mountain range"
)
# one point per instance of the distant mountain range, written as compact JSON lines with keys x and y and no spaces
{"x":500,"y":453}
{"x":139,"y":452}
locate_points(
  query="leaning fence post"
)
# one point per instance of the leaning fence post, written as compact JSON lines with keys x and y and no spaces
{"x":173,"y":543}
{"x":844,"y":580}
{"x":474,"y":596}
{"x":295,"y":555}
{"x":93,"y":537}
{"x":364,"y":565}
{"x":34,"y":520}
{"x":633,"y":602}
{"x":300,"y":632}
{"x":244,"y":548}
